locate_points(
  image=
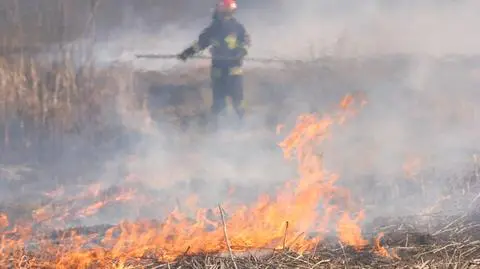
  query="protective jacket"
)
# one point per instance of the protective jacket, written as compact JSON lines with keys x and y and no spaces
{"x":228,"y":39}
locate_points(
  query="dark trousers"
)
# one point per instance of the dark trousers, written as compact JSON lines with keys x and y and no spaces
{"x":227,"y":82}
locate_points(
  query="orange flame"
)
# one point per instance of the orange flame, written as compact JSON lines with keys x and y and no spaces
{"x":94,"y":208}
{"x":349,"y":232}
{"x":309,"y":204}
{"x":412,"y":167}
{"x":382,"y":251}
{"x":3,"y":221}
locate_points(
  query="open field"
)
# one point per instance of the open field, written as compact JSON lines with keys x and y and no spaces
{"x":441,"y":231}
{"x":367,"y":161}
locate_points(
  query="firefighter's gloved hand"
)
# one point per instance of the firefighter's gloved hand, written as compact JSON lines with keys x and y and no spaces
{"x":186,"y":54}
{"x":182,"y":56}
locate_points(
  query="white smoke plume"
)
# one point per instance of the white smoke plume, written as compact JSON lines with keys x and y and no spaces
{"x":419,"y":107}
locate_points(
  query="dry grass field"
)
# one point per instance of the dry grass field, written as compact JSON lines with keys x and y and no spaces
{"x":342,"y":162}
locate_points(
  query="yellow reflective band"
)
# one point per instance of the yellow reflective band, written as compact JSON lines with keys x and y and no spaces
{"x":231,"y":41}
{"x":243,"y":104}
{"x":235,"y":71}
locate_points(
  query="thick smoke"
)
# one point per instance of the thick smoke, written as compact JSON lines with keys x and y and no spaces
{"x":421,"y":107}
{"x":344,"y":28}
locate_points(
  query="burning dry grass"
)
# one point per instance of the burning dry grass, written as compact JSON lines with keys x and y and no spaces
{"x":256,"y":226}
{"x":291,"y":229}
{"x":42,"y":107}
{"x":288,"y":230}
{"x":453,"y":243}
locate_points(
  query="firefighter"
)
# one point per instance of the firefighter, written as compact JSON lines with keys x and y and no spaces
{"x":228,"y":41}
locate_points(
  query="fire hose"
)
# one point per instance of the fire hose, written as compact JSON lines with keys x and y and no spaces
{"x":262,"y":60}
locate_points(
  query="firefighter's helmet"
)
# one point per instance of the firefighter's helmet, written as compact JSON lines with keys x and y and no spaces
{"x":227,"y":6}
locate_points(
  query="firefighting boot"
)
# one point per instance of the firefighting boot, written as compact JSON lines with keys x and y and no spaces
{"x":240,"y":112}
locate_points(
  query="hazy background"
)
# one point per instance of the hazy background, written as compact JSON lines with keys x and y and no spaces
{"x":422,"y":107}
{"x":415,"y":140}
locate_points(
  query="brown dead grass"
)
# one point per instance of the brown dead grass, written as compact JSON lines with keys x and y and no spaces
{"x":41,"y":105}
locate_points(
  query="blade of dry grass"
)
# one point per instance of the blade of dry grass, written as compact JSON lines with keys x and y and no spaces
{"x":227,"y":241}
